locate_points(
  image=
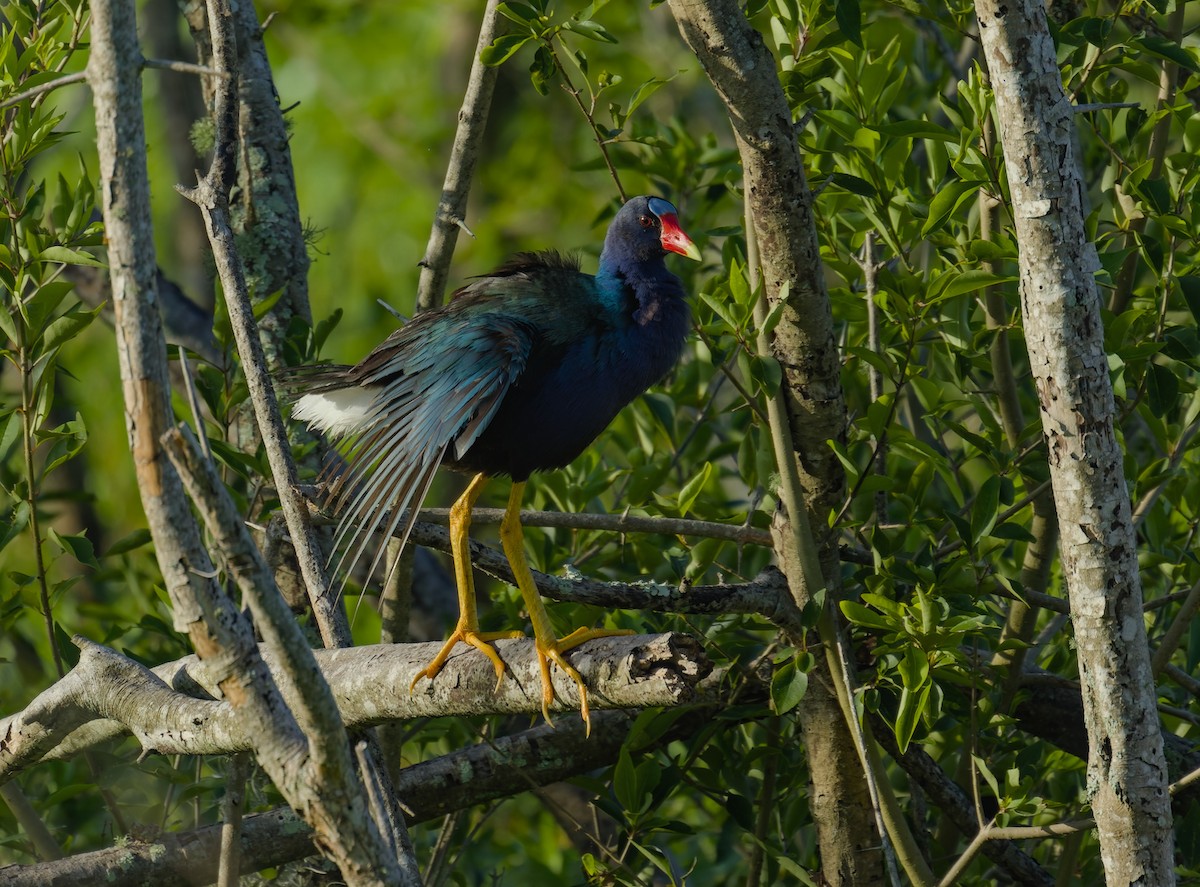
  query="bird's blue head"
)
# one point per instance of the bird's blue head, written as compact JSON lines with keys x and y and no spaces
{"x":644,"y":230}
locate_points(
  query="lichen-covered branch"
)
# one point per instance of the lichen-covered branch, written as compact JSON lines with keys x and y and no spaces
{"x":171,"y":710}
{"x":780,"y":213}
{"x":496,"y":769}
{"x":327,"y":791}
{"x":1127,"y":774}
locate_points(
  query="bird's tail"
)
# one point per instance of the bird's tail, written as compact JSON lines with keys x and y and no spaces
{"x":327,"y":398}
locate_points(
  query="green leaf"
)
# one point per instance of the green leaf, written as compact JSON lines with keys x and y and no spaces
{"x":68,"y":651}
{"x":13,"y":527}
{"x":44,"y":301}
{"x":502,"y":49}
{"x":969,"y":281}
{"x":1189,"y":285}
{"x":1157,"y":194}
{"x":788,"y":686}
{"x":589,"y":29}
{"x":1162,"y":390}
{"x":855,"y":185}
{"x":985,"y":509}
{"x":917,"y":129}
{"x":68,"y":256}
{"x":136,"y":539}
{"x":521,"y":13}
{"x":263,"y":306}
{"x":1170,"y":50}
{"x":692,"y":489}
{"x":946,"y":201}
{"x":79,"y":547}
{"x":740,"y":810}
{"x":914,"y":667}
{"x":849,"y":19}
{"x":987,"y":775}
{"x":866,"y":617}
{"x":542,"y":70}
{"x":908,"y":716}
{"x":68,"y":326}
{"x":625,"y":782}
{"x":645,"y":90}
{"x":768,"y":372}
{"x":1012,"y":531}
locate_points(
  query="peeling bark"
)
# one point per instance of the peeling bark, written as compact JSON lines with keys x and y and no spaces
{"x":1127,"y":774}
{"x":742,"y":70}
{"x":173,"y":709}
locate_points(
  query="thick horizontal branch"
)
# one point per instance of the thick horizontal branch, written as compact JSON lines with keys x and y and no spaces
{"x":485,"y":772}
{"x":370,"y":684}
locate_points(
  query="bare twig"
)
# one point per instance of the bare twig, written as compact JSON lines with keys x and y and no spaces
{"x":184,"y":67}
{"x":43,"y":88}
{"x":232,"y":806}
{"x":452,"y":206}
{"x":615,"y":523}
{"x":1011,"y":833}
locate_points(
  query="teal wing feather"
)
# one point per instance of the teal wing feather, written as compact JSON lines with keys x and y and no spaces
{"x":437,"y":383}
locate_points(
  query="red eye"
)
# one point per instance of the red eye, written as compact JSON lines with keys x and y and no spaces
{"x":646,"y":221}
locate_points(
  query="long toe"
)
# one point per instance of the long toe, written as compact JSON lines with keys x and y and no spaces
{"x":480,"y":640}
{"x":553,"y":651}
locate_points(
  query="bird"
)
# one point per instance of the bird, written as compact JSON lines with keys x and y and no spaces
{"x":517,"y":373}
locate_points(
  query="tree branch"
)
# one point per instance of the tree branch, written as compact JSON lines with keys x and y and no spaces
{"x":957,"y":807}
{"x":326,"y":789}
{"x":485,"y":772}
{"x":170,"y":710}
{"x":582,"y":520}
{"x":767,"y":595}
{"x":1060,"y":301}
{"x":121,"y":144}
{"x":780,"y":216}
{"x":464,"y":153}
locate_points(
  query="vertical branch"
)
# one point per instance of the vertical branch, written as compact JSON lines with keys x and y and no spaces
{"x":1127,"y":774}
{"x":1039,"y":554}
{"x":112,"y":71}
{"x":1168,"y":78}
{"x":353,"y":839}
{"x":232,"y":806}
{"x":464,"y":154}
{"x":212,"y":196}
{"x":810,"y":410}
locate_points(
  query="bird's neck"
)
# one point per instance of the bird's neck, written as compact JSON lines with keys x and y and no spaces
{"x":647,"y":280}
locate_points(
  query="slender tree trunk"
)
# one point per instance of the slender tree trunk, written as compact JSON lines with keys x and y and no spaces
{"x":780,"y":206}
{"x":1127,"y":773}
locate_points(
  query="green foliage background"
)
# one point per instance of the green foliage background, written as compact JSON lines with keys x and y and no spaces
{"x":939,"y":517}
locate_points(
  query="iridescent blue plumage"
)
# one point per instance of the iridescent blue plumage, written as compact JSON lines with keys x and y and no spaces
{"x":518,"y":373}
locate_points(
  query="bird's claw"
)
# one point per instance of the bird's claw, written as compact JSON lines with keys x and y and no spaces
{"x":553,"y":651}
{"x":480,"y":640}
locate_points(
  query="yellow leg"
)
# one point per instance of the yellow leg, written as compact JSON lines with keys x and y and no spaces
{"x":467,"y":629}
{"x":549,"y":647}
